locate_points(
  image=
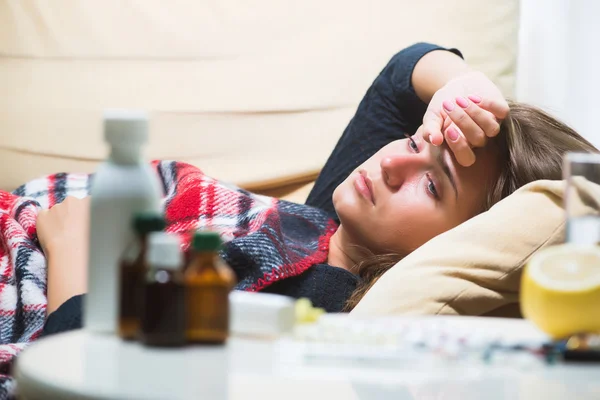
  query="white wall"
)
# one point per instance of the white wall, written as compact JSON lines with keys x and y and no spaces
{"x":559,"y":61}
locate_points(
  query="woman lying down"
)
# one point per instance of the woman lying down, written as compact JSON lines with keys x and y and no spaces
{"x":433,"y":143}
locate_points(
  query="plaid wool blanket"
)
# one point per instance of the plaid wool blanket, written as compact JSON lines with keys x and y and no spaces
{"x":266,"y":240}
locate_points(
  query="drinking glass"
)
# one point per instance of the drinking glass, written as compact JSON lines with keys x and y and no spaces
{"x":582,"y":199}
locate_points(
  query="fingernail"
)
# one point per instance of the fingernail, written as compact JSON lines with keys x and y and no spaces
{"x":461,"y":101}
{"x":448,"y":106}
{"x":452,"y":134}
{"x":474,"y":98}
{"x":431,"y":140}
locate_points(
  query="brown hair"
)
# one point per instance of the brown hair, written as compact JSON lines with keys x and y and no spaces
{"x":531,"y":145}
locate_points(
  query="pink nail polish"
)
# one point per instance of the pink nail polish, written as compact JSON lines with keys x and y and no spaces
{"x":461,"y":101}
{"x":452,"y":134}
{"x":431,"y":140}
{"x":448,"y":106}
{"x":475,"y":98}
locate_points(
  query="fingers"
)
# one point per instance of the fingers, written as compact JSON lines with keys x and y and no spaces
{"x":459,"y":146}
{"x":432,"y":129}
{"x":484,"y":119}
{"x":473,"y":133}
{"x":499,"y":109}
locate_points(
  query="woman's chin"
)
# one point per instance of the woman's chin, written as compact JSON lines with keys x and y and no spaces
{"x":346,"y":197}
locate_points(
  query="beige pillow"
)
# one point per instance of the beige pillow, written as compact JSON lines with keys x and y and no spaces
{"x":475,"y":268}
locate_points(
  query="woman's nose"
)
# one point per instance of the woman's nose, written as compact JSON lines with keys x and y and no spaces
{"x":398,"y":167}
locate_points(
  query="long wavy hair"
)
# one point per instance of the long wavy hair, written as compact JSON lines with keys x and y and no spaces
{"x":531,"y":145}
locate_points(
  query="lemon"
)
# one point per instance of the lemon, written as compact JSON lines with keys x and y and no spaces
{"x":560,"y":290}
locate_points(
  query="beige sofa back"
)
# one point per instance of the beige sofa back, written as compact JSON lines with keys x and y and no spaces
{"x":256,"y":93}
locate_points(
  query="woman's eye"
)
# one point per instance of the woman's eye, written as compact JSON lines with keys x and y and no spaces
{"x":432,"y":189}
{"x":413,"y":145}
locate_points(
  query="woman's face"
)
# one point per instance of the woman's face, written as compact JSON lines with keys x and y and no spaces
{"x":410,"y":192}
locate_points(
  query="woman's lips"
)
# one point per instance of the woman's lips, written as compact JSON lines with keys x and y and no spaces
{"x":364,"y":186}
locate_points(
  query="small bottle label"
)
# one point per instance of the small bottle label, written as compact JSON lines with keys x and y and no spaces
{"x":208,"y":312}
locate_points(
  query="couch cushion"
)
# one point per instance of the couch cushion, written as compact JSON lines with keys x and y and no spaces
{"x":255,"y":93}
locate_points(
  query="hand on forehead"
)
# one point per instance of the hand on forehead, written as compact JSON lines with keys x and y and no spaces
{"x":478,"y":174}
{"x":464,"y":113}
{"x":463,"y":134}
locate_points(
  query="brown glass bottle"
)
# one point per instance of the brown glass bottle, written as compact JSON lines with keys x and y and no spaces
{"x":163,"y":310}
{"x":132,"y":270}
{"x":208,"y":281}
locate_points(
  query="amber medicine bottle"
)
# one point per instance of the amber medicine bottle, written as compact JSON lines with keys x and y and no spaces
{"x":132,"y":270}
{"x":208,"y":281}
{"x":163,"y":309}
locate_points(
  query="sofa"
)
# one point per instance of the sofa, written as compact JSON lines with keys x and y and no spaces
{"x":255,"y":93}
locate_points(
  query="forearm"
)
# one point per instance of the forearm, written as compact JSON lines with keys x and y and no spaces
{"x":434,"y":70}
{"x":67,"y":276}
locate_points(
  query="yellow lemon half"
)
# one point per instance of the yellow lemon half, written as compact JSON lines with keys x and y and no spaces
{"x":560,"y":290}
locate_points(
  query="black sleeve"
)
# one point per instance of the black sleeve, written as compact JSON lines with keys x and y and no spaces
{"x":326,"y":286}
{"x":389,"y":110}
{"x":66,"y":317}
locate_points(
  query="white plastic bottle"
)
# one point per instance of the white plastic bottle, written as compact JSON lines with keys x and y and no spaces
{"x":122,"y":185}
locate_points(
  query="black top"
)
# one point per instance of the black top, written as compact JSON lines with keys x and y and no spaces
{"x":389,"y":110}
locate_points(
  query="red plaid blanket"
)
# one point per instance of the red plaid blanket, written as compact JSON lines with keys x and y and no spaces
{"x":266,"y":240}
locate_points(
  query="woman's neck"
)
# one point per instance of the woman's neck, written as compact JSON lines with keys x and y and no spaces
{"x":343,"y":252}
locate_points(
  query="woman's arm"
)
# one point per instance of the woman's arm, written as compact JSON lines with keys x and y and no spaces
{"x":434,"y":70}
{"x":62,"y":232}
{"x":67,"y":276}
{"x":392,"y":107}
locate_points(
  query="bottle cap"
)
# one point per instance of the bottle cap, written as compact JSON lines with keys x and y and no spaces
{"x":207,"y":241}
{"x":148,"y":221}
{"x":125,"y":128}
{"x":164,"y":251}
